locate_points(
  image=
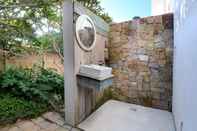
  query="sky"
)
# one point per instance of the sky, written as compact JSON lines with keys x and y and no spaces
{"x":123,"y":10}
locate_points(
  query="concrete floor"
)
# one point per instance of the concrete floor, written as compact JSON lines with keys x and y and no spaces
{"x":120,"y":116}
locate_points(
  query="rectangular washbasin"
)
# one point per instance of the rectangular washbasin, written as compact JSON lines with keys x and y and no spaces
{"x":95,"y":71}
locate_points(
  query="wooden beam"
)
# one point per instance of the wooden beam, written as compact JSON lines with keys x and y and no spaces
{"x":70,"y":84}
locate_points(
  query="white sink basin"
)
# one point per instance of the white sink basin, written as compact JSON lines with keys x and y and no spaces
{"x":95,"y":71}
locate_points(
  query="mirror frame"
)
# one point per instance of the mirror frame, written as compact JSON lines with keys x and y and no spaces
{"x":82,"y":46}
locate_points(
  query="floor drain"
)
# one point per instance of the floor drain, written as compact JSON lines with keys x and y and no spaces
{"x":133,"y":109}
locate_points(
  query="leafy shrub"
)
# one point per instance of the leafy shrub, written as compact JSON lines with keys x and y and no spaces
{"x":36,"y":84}
{"x":33,"y":91}
{"x":51,"y":80}
{"x":13,"y":108}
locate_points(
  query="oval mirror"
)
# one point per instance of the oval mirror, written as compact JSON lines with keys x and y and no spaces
{"x":85,"y":33}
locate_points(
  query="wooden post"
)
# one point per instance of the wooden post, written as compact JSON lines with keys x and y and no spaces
{"x":79,"y":101}
{"x":2,"y":57}
{"x":70,"y":86}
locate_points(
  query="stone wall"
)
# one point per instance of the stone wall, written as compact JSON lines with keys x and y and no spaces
{"x":50,"y":61}
{"x":140,"y":53}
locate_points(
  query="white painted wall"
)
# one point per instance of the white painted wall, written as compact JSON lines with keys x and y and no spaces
{"x":185,"y":65}
{"x":160,"y":7}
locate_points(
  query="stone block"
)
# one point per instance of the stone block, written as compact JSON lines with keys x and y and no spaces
{"x":143,"y":35}
{"x":160,"y":44}
{"x":154,"y":66}
{"x":146,"y":86}
{"x":158,"y":28}
{"x":144,"y":57}
{"x":132,"y":65}
{"x":167,"y":21}
{"x":115,"y":27}
{"x":150,"y":20}
{"x":162,"y":62}
{"x":28,"y":126}
{"x":142,"y":94}
{"x":142,"y":67}
{"x":133,"y":93}
{"x":158,"y":39}
{"x":141,"y":51}
{"x":157,"y":20}
{"x":132,"y":84}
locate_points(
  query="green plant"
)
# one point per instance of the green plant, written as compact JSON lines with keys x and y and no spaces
{"x":51,"y":79}
{"x":36,"y":84}
{"x":33,"y":91}
{"x":13,"y":108}
{"x":95,"y":7}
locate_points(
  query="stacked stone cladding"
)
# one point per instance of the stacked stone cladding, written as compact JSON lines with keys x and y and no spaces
{"x":141,"y":54}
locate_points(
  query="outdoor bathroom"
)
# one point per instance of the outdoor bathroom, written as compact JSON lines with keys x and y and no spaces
{"x":81,"y":70}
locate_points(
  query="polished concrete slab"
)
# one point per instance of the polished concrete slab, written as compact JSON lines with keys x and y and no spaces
{"x":120,"y":116}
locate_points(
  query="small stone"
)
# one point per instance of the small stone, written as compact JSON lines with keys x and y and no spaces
{"x":160,"y":44}
{"x":143,"y":58}
{"x":154,"y":65}
{"x":141,"y":51}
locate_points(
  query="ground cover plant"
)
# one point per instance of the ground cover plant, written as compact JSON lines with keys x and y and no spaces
{"x":26,"y":93}
{"x":13,"y":108}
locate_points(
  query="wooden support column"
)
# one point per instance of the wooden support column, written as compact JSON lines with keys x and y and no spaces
{"x":2,"y":57}
{"x":70,"y":86}
{"x":79,"y":101}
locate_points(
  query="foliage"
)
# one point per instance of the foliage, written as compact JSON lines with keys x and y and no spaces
{"x":33,"y":91}
{"x":49,"y":40}
{"x":35,"y":84}
{"x":22,"y":23}
{"x":13,"y":108}
{"x":21,"y":19}
{"x":94,"y":6}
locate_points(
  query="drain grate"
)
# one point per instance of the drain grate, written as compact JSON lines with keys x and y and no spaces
{"x":133,"y":109}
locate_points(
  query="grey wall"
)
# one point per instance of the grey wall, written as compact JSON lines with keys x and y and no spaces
{"x":185,"y":64}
